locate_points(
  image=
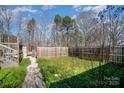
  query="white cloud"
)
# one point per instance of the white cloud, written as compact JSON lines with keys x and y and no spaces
{"x":96,"y":9}
{"x":24,"y":9}
{"x":74,"y":16}
{"x":99,"y":8}
{"x":87,"y":8}
{"x":77,"y":7}
{"x":47,"y":7}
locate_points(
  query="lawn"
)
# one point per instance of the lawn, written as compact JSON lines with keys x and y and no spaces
{"x":74,"y":72}
{"x":13,"y":77}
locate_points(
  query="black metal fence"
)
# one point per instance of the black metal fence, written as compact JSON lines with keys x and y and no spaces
{"x":111,"y":54}
{"x":117,"y":54}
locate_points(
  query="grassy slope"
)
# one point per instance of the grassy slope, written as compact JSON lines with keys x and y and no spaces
{"x":13,"y":77}
{"x":74,"y":72}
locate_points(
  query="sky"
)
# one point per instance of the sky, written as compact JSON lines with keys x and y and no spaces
{"x":49,"y":11}
{"x":35,"y":11}
{"x":63,"y":10}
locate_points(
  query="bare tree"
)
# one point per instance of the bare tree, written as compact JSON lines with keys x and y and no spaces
{"x":31,"y":29}
{"x":86,"y":22}
{"x":6,"y":17}
{"x":114,"y":17}
{"x":43,"y":28}
{"x":1,"y":26}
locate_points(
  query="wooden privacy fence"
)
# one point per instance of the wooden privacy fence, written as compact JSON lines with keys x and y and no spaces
{"x":5,"y":38}
{"x":49,"y":52}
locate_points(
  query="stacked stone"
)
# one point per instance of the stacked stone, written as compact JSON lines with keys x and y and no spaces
{"x":8,"y":62}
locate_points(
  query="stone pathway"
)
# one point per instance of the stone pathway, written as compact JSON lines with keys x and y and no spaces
{"x":33,"y":78}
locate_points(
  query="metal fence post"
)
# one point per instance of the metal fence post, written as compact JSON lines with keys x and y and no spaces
{"x":122,"y":54}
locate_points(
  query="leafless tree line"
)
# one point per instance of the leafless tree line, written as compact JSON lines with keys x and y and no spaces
{"x":88,"y":29}
{"x":104,"y":28}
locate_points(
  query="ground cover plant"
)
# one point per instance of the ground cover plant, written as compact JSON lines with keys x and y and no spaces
{"x":75,"y":72}
{"x":13,"y":77}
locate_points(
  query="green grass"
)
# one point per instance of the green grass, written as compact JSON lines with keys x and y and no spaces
{"x":13,"y":77}
{"x":75,"y":72}
{"x":57,"y":69}
{"x":25,"y":62}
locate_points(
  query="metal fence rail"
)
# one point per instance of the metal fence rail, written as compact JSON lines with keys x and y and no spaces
{"x":117,"y":54}
{"x":112,"y":54}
